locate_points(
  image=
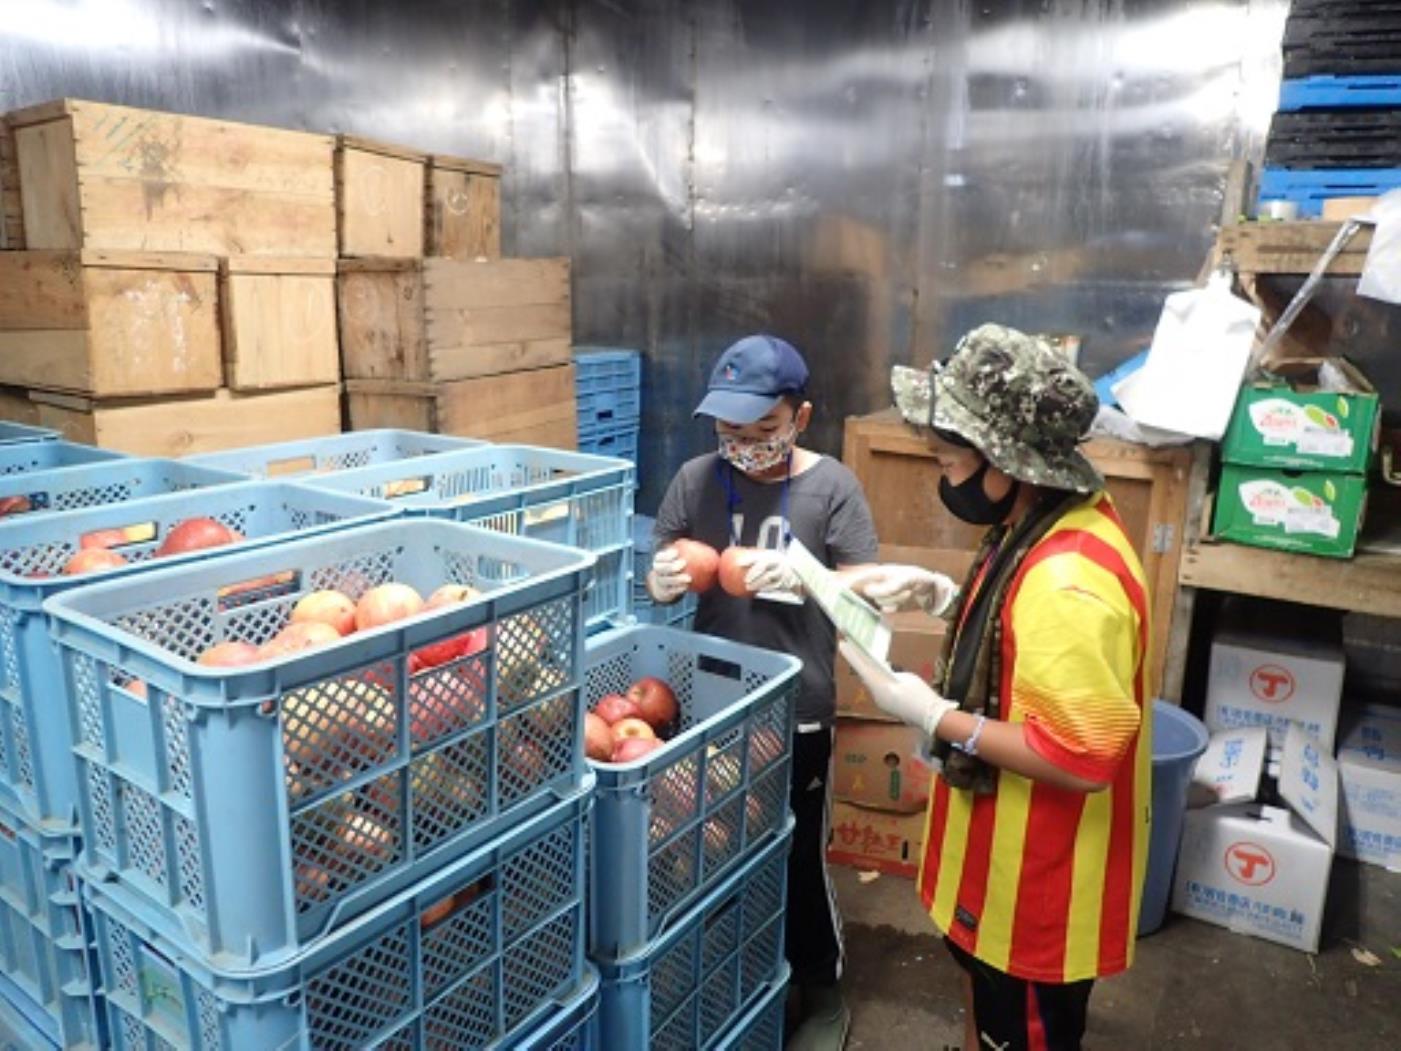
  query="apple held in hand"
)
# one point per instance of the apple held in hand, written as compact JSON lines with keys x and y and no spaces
{"x":702,"y":563}
{"x":733,"y":570}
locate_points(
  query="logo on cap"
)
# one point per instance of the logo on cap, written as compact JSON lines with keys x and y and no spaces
{"x":730,"y":373}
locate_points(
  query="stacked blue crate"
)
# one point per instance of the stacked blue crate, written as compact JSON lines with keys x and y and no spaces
{"x":608,"y":388}
{"x":1338,"y":129}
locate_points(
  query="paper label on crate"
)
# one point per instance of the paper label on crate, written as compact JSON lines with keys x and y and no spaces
{"x":854,"y":617}
{"x":1294,"y":508}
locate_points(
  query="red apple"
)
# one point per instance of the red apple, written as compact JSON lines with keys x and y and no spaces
{"x":702,"y":563}
{"x":733,"y":572}
{"x":615,"y":707}
{"x":386,"y":604}
{"x":451,"y":595}
{"x":138,"y":688}
{"x":14,"y":505}
{"x":633,"y":748}
{"x":655,"y":702}
{"x":103,"y":538}
{"x":326,"y":607}
{"x":297,"y":637}
{"x":92,"y":559}
{"x":632,"y":727}
{"x":229,"y":655}
{"x":196,"y":534}
{"x":598,"y":738}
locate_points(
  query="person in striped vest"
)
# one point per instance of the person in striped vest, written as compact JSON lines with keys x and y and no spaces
{"x":1038,"y":823}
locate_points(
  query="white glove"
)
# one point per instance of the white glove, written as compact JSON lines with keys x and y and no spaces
{"x":769,"y":571}
{"x":668,"y":580}
{"x":902,"y":694}
{"x":895,"y":587}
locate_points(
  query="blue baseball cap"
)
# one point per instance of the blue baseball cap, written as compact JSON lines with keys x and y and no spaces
{"x":751,"y":377}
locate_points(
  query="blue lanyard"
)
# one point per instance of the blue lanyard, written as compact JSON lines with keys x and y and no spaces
{"x":733,"y":500}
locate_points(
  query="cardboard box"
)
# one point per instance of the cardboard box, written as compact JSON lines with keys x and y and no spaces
{"x":916,"y":638}
{"x":1314,"y":512}
{"x":1272,"y":680}
{"x":1264,"y":870}
{"x":1369,"y":767}
{"x":1370,"y":731}
{"x":875,"y":763}
{"x":872,"y":839}
{"x":1230,"y":768}
{"x":1276,"y":425}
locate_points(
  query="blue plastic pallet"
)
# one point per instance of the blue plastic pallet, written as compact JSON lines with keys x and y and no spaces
{"x":37,"y":775}
{"x":672,"y":825}
{"x":548,"y":494}
{"x":110,"y":480}
{"x":1310,"y":188}
{"x":689,"y":987}
{"x":27,"y":457}
{"x":479,"y":954}
{"x":46,"y":970}
{"x":259,"y":807}
{"x":1324,"y":92}
{"x":336,"y":452}
{"x":14,"y":433}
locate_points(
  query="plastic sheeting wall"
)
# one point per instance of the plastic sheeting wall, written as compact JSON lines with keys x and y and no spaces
{"x":866,"y":178}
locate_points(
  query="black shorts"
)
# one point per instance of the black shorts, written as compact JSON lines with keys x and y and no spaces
{"x":1013,"y":1014}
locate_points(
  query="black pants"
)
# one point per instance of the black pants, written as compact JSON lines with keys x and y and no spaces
{"x":814,"y":933}
{"x":1016,"y":1015}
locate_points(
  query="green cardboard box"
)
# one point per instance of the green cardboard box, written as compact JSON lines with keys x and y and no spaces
{"x":1315,"y":512}
{"x":1278,"y":425}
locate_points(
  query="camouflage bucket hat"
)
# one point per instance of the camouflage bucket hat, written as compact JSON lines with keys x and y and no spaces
{"x":1019,"y":402}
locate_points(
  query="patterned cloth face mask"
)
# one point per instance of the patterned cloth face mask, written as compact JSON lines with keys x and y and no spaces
{"x":754,"y":456}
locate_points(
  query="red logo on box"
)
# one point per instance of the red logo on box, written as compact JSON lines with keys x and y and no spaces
{"x":1272,"y":684}
{"x":1250,"y":863}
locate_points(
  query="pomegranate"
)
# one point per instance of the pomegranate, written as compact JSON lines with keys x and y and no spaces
{"x":326,"y":607}
{"x":91,"y":560}
{"x":702,"y":563}
{"x":386,"y":604}
{"x":615,"y":707}
{"x":733,"y":571}
{"x":598,"y":738}
{"x":655,"y":702}
{"x":196,"y":534}
{"x":229,"y":655}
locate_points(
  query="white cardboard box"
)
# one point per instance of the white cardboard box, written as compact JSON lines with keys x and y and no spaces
{"x":1229,"y":770}
{"x":1259,"y":679}
{"x":1372,"y":731}
{"x":1371,"y":811}
{"x":1263,"y":870}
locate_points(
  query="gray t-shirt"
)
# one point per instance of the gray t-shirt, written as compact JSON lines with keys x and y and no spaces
{"x":825,"y":509}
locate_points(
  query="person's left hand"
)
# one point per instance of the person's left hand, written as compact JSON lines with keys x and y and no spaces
{"x":769,"y":571}
{"x":903,"y":695}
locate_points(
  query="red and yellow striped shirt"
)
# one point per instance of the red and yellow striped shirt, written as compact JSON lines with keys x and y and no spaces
{"x":1036,"y":881}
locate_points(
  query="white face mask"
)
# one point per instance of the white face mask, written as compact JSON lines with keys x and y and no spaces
{"x":756,"y":455}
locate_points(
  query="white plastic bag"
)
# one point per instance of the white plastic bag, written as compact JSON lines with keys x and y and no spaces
{"x":1381,"y":273}
{"x":1193,"y":374}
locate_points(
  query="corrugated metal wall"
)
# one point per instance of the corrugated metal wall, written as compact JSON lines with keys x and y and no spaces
{"x":866,"y":178}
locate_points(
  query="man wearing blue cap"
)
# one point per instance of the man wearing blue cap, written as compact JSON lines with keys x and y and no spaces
{"x":761,"y":490}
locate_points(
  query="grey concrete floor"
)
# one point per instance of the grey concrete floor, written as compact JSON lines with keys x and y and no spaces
{"x":1193,"y":985}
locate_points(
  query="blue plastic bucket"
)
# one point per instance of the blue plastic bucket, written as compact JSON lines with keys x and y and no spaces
{"x":1179,"y":739}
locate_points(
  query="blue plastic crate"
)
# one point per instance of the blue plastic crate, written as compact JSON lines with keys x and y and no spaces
{"x":37,"y":775}
{"x":606,"y":369}
{"x":258,"y":807}
{"x":610,"y":409}
{"x":19,"y":1030}
{"x":620,"y":443}
{"x":110,"y":480}
{"x":690,"y":986}
{"x":1326,"y":92}
{"x":45,"y":964}
{"x":336,"y":452}
{"x":477,"y":955}
{"x":1309,"y":188}
{"x":575,"y":1028}
{"x":562,"y":497}
{"x":762,"y":1028}
{"x":14,"y":433}
{"x":673,"y":824}
{"x":27,"y":457}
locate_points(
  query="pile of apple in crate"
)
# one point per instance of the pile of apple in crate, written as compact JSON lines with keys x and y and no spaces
{"x":292,"y":754}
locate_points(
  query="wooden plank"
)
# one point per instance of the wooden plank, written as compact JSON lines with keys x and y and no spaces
{"x":16,"y":406}
{"x":463,"y":164}
{"x":464,"y":215}
{"x":491,"y":326}
{"x":380,"y":204}
{"x":54,"y":358}
{"x":372,"y":411}
{"x":279,"y":329}
{"x":457,"y":363}
{"x":378,"y":265}
{"x":281,"y":265}
{"x":11,"y":207}
{"x":1291,"y":248}
{"x":1366,"y":583}
{"x":41,"y":112}
{"x":381,"y":148}
{"x":178,"y":427}
{"x":453,"y":285}
{"x":381,"y":324}
{"x":41,"y":290}
{"x":48,"y":179}
{"x":189,"y":262}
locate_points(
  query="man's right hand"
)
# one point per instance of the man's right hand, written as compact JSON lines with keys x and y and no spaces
{"x":668,"y":580}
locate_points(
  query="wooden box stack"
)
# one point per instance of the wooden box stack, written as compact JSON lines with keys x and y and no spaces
{"x":176,"y":291}
{"x":11,"y":211}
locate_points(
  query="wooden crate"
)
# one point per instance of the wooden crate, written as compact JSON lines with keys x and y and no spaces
{"x":109,"y":324}
{"x":279,"y":320}
{"x":380,"y":192}
{"x":535,"y":407}
{"x":15,"y":406}
{"x":180,"y":426}
{"x":441,"y":320}
{"x":1149,"y":487}
{"x":464,"y":209}
{"x":94,"y":176}
{"x":11,"y":210}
